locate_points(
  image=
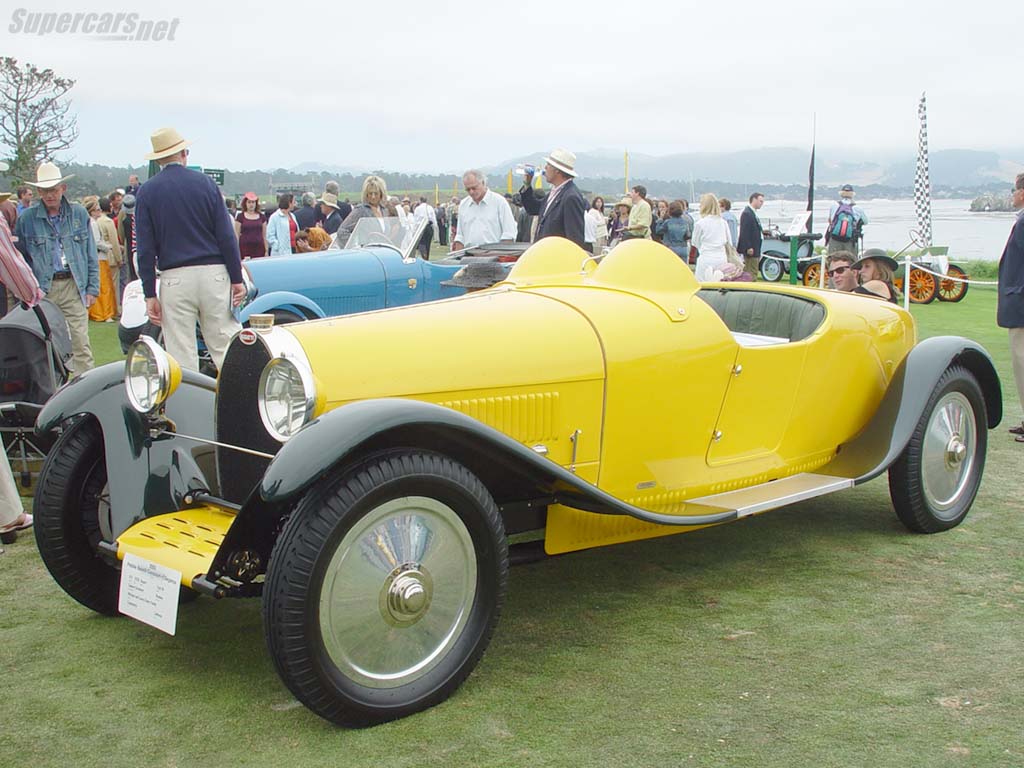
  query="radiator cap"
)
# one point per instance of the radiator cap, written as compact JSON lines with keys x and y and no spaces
{"x":261,"y":323}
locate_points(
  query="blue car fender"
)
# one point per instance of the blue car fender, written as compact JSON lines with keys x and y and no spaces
{"x":293,"y":302}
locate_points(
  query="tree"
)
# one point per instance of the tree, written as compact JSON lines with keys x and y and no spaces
{"x":35,"y":115}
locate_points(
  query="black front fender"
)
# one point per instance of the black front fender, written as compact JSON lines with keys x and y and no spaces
{"x":510,"y":470}
{"x":146,"y":476}
{"x":885,"y":437}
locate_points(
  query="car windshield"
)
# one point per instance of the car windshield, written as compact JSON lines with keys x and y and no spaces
{"x":402,"y":234}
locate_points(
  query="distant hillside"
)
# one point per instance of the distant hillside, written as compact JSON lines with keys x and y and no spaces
{"x":777,"y":171}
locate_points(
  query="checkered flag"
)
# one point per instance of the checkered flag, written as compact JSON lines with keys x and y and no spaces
{"x":922,"y":183}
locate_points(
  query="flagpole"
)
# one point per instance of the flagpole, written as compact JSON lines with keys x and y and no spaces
{"x":626,"y":191}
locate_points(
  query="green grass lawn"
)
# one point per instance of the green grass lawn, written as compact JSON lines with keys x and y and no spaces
{"x":820,"y":635}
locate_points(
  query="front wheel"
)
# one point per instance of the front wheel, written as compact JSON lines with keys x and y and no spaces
{"x":934,"y":481}
{"x":771,"y":269}
{"x":384,"y":588}
{"x":72,"y":516}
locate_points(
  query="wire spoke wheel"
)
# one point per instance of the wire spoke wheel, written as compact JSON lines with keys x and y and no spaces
{"x":771,"y":269}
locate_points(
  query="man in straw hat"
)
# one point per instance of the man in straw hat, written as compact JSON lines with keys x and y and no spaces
{"x":562,"y":211}
{"x":184,"y":230}
{"x":329,"y":213}
{"x":57,"y":240}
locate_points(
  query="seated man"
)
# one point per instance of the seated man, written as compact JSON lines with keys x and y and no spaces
{"x":840,"y":269}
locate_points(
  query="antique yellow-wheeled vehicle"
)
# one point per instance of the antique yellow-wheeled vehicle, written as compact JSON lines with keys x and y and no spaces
{"x":363,"y":474}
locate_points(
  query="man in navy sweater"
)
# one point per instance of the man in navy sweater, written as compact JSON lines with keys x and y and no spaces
{"x":183,"y":228}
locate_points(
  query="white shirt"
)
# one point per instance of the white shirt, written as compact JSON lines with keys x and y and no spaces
{"x":589,"y":227}
{"x":488,"y":221}
{"x":710,"y":235}
{"x":425,"y":211}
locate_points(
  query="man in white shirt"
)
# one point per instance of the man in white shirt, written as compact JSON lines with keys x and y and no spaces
{"x":484,"y":216}
{"x":424,"y":211}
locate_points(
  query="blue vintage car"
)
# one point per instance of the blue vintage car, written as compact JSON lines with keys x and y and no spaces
{"x":376,"y":269}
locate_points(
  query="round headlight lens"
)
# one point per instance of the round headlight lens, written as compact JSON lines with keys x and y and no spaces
{"x":287,"y":397}
{"x":147,"y":375}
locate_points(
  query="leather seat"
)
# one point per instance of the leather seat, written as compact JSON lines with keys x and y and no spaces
{"x":766,"y":314}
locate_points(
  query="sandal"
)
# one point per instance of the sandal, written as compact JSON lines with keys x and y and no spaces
{"x":23,"y":522}
{"x":1017,"y":430}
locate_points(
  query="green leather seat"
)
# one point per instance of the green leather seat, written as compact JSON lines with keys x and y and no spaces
{"x":765,"y":314}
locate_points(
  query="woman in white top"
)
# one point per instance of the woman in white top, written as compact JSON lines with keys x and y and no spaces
{"x":595,"y":226}
{"x":710,"y":234}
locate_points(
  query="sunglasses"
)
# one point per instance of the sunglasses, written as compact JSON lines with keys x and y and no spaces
{"x":840,"y":271}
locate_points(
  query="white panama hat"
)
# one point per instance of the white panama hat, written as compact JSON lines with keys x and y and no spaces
{"x":563,"y":160}
{"x":166,"y":142}
{"x":48,"y":176}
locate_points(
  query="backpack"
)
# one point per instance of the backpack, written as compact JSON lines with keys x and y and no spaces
{"x":844,"y":224}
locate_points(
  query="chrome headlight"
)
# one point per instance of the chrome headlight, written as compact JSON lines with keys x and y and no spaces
{"x":150,"y":375}
{"x":287,"y":396}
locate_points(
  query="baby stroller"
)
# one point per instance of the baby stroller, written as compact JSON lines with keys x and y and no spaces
{"x":35,"y":347}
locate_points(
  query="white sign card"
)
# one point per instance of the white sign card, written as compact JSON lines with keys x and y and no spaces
{"x":149,"y":593}
{"x":798,"y":224}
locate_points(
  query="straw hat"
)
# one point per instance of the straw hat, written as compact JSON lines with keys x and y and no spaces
{"x":626,"y":201}
{"x":330,"y":200}
{"x":563,"y":160}
{"x":48,"y":176}
{"x":166,"y":142}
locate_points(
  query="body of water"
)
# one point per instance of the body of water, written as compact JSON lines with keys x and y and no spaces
{"x":968,"y":235}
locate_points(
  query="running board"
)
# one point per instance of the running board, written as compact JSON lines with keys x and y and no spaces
{"x":777,"y":493}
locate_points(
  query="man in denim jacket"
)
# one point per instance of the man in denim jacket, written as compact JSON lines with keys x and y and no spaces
{"x":56,"y":239}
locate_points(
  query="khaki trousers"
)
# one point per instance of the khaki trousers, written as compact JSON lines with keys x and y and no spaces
{"x":1017,"y":359}
{"x":64,"y":293}
{"x":197,"y":294}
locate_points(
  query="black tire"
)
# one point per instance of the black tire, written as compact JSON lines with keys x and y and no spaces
{"x":67,"y":524}
{"x":365,"y":510}
{"x":933,"y":484}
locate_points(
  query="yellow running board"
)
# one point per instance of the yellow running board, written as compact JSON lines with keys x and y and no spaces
{"x":186,"y":541}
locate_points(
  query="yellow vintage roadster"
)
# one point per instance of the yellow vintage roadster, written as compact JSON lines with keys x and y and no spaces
{"x":364,"y":474}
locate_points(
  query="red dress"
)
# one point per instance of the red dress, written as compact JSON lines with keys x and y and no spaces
{"x":250,"y":239}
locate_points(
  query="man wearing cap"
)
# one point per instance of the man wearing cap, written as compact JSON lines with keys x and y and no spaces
{"x":329,"y":213}
{"x":1010,"y":308}
{"x":845,"y":240}
{"x":184,"y":230}
{"x":56,"y":239}
{"x":483,"y":216}
{"x":562,"y":211}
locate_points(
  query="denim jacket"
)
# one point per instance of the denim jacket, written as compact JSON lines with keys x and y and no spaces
{"x":36,"y":242}
{"x":279,"y":236}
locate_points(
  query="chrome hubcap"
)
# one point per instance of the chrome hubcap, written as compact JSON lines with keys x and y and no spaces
{"x":947,"y":457}
{"x":397,"y":592}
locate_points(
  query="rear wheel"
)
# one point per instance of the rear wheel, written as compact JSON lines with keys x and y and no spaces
{"x":385,"y":587}
{"x":953,"y":289}
{"x":71,"y":510}
{"x":934,"y":481}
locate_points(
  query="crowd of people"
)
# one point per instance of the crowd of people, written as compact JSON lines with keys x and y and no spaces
{"x":80,"y":256}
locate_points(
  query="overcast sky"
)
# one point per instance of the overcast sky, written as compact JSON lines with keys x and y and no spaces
{"x":440,"y":86}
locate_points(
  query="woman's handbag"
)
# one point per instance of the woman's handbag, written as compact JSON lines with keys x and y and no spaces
{"x":731,"y":254}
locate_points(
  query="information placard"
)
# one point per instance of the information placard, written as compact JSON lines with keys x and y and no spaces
{"x":798,"y":224}
{"x":149,"y":593}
